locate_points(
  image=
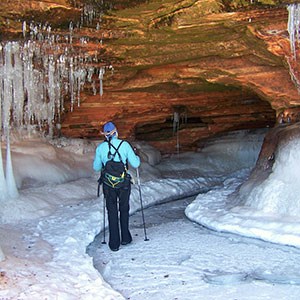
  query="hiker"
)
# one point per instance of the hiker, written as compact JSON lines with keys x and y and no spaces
{"x":111,"y":158}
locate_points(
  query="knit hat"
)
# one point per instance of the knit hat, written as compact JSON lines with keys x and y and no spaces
{"x":109,"y":130}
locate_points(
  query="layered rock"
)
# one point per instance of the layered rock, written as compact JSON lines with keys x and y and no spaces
{"x":182,"y":71}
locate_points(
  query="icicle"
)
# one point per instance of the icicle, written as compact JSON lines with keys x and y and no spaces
{"x":90,"y":74}
{"x":293,"y":26}
{"x":3,"y":186}
{"x":101,"y":74}
{"x":7,"y":84}
{"x":175,"y":122}
{"x":71,"y":28}
{"x":71,"y":83}
{"x":24,"y":29}
{"x":17,"y":86}
{"x":51,"y":94}
{"x":94,"y":88}
{"x":48,"y":31}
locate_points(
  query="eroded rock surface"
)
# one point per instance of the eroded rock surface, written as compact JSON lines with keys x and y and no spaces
{"x":182,"y":70}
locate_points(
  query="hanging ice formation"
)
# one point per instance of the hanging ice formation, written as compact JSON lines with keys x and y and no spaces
{"x":101,"y":74}
{"x":293,"y":28}
{"x":36,"y":76}
{"x":179,"y":117}
{"x":175,"y":122}
{"x":40,"y":74}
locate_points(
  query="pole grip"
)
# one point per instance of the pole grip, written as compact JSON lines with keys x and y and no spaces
{"x":98,"y":190}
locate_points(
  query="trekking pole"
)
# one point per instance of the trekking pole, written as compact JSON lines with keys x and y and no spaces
{"x":98,"y":193}
{"x":141,"y":200}
{"x":103,"y":242}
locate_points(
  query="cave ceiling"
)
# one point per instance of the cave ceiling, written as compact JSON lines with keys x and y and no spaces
{"x":174,"y":70}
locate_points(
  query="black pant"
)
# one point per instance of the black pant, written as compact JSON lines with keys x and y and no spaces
{"x":114,"y":197}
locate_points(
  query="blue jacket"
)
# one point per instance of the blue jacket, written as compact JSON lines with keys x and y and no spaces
{"x":125,"y":151}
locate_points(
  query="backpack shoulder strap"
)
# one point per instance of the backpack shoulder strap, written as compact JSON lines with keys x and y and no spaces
{"x":116,"y":150}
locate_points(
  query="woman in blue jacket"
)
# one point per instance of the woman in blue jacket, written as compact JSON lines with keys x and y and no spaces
{"x":111,"y":158}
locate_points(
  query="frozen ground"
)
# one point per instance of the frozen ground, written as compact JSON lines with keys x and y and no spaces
{"x":185,"y":261}
{"x":45,"y":231}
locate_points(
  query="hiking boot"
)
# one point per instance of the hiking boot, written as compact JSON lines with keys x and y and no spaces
{"x":114,"y":249}
{"x":126,"y":243}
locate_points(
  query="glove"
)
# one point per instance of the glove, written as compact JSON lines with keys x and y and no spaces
{"x":136,"y":151}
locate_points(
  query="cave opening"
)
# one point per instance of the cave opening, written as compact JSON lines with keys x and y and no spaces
{"x":187,"y":124}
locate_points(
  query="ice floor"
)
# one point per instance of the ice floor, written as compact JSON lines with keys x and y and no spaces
{"x":183,"y":260}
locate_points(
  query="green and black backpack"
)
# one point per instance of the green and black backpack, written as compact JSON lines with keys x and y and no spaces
{"x":114,"y":173}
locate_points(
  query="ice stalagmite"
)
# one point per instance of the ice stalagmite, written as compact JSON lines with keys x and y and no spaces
{"x":10,"y":86}
{"x":10,"y":179}
{"x":3,"y":187}
{"x":2,"y":257}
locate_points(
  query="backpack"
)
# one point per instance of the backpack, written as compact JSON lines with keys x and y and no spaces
{"x":114,"y":173}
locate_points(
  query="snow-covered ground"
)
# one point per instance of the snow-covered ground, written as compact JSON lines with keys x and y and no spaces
{"x":45,"y":231}
{"x":183,"y":260}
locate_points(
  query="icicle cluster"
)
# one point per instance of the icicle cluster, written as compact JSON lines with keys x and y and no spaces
{"x":293,"y":26}
{"x":36,"y":76}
